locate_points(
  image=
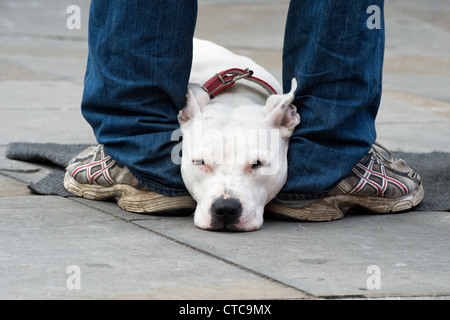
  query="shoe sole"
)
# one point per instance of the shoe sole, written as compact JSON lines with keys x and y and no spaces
{"x":129,"y":198}
{"x":335,"y":208}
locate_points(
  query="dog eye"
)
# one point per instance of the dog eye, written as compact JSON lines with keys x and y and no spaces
{"x":257,"y":165}
{"x":198,"y":162}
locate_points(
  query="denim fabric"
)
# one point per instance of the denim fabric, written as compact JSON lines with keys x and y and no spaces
{"x":140,"y":54}
{"x":337,"y":61}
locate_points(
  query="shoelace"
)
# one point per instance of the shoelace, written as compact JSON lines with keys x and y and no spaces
{"x":381,"y":153}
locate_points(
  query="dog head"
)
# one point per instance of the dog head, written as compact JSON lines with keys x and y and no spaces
{"x":234,"y":156}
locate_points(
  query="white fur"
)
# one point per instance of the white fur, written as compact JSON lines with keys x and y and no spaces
{"x":219,"y":131}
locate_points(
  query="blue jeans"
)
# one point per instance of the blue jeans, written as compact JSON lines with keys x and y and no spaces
{"x":140,"y":55}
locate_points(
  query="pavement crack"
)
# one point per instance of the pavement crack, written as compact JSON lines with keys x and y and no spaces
{"x":226,"y":261}
{"x":21,"y":170}
{"x":42,"y":36}
{"x":241,"y":267}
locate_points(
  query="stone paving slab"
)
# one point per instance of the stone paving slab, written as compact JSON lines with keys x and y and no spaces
{"x":403,"y":123}
{"x":319,"y":259}
{"x":10,"y":187}
{"x":411,"y":250}
{"x":229,"y":24}
{"x":43,"y":17}
{"x":22,"y":171}
{"x":315,"y":258}
{"x":42,"y":111}
{"x":41,"y":237}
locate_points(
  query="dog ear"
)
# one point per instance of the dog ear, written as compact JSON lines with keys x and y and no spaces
{"x":282,"y":113}
{"x":196,"y":100}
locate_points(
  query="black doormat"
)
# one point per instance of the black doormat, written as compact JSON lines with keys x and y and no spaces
{"x":434,"y":168}
{"x":58,"y":155}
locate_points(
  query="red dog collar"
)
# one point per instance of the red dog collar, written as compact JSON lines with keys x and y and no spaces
{"x":227,"y":78}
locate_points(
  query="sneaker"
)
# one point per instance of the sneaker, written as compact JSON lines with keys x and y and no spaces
{"x":93,"y":174}
{"x":378,"y":183}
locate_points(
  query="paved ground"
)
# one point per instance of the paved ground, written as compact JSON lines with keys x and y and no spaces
{"x":46,"y":242}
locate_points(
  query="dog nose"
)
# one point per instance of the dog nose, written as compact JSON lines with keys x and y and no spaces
{"x":226,"y":211}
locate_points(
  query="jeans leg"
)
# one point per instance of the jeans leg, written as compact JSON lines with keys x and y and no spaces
{"x":338,"y":62}
{"x":140,"y":56}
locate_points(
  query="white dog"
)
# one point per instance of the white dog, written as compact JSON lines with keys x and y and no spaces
{"x":235,"y":138}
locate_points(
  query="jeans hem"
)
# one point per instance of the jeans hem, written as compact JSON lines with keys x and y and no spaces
{"x":161,"y":189}
{"x":299,"y":196}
